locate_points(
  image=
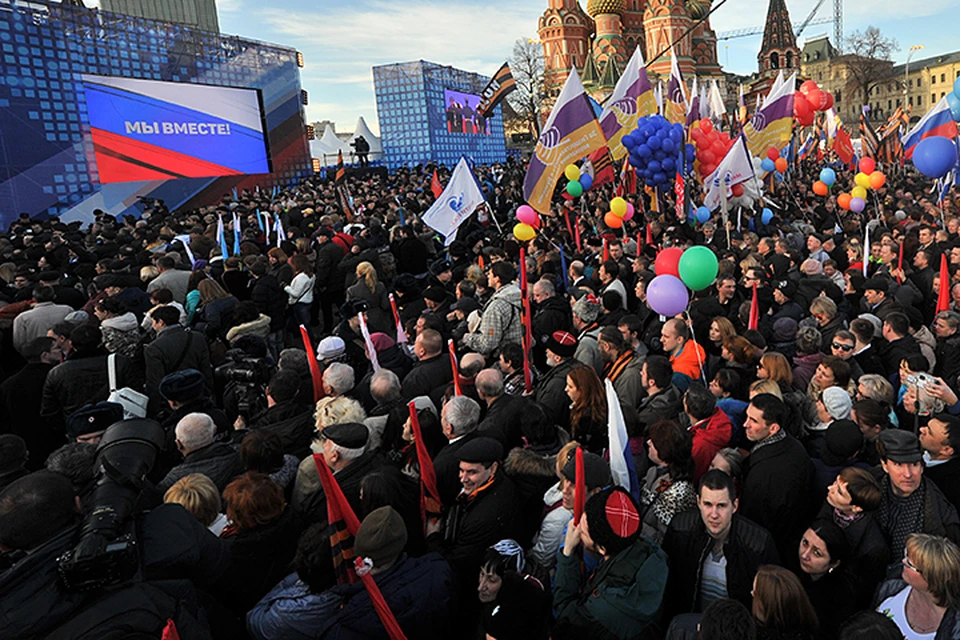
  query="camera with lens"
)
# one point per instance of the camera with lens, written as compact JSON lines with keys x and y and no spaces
{"x":242,"y":382}
{"x":926,"y":404}
{"x":108,"y":552}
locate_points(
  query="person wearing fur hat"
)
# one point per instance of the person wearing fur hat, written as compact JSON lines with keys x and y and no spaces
{"x":551,"y":390}
{"x":418,"y":591}
{"x":586,"y":311}
{"x":623,"y":597}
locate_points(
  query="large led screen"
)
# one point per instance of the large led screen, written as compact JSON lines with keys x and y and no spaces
{"x":154,"y":130}
{"x":462,"y":115}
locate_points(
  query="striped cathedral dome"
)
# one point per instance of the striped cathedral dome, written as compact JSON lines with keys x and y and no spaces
{"x":600,"y":7}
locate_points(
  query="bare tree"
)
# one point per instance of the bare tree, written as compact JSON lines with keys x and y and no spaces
{"x":526,"y":64}
{"x":868,"y":60}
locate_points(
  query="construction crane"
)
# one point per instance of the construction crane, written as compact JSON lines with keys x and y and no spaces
{"x":755,"y":31}
{"x":799,"y":27}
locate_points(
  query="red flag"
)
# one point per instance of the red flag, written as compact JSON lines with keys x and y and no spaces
{"x":679,"y":190}
{"x":566,"y":216}
{"x":401,"y":334}
{"x":754,"y":311}
{"x":900,"y":264}
{"x":639,"y":243}
{"x":170,"y":631}
{"x":628,"y":178}
{"x":435,"y":185}
{"x":428,"y":477}
{"x":453,"y":364}
{"x":842,"y":145}
{"x":343,"y":529}
{"x":943,"y":300}
{"x":314,"y":365}
{"x":649,"y":235}
{"x":527,"y":332}
{"x":576,"y":231}
{"x":606,"y":250}
{"x":480,"y":261}
{"x":580,"y":490}
{"x":603,"y":170}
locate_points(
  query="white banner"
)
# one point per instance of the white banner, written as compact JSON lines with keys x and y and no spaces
{"x":461,"y":197}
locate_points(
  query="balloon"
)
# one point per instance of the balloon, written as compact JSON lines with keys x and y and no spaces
{"x":524,"y":232}
{"x":768,"y":165}
{"x":644,"y":151}
{"x":843,"y":200}
{"x":707,"y":169}
{"x":877,"y":180}
{"x":956,"y":86}
{"x":719,"y":149}
{"x":780,"y":164}
{"x":526,"y":214}
{"x":572,"y":172}
{"x":808,"y":86}
{"x":828,"y":176}
{"x":820,"y":188}
{"x":773,"y":153}
{"x":862,"y":179}
{"x":737,"y":190}
{"x":706,"y":125}
{"x":766,"y":216}
{"x":653,"y":142}
{"x":628,"y":142}
{"x":935,"y":156}
{"x":612,"y":220}
{"x":857,"y":205}
{"x":829,"y":97}
{"x":801,"y":108}
{"x":653,"y":166}
{"x":707,"y":156}
{"x":859,"y":192}
{"x":629,"y":214}
{"x":618,"y":206}
{"x":667,"y":295}
{"x":586,"y":181}
{"x":954,"y":103}
{"x":702,"y":214}
{"x":698,"y":268}
{"x":867,"y":165}
{"x":668,"y":261}
{"x":806,"y":121}
{"x":574,"y":188}
{"x":815,"y":98}
{"x":669,"y":165}
{"x":668,"y":146}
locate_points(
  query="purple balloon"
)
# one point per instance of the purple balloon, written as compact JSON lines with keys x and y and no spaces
{"x":667,"y":295}
{"x":857,"y":205}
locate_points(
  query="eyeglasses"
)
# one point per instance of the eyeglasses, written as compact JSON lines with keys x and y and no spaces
{"x":909,"y":565}
{"x":842,"y":347}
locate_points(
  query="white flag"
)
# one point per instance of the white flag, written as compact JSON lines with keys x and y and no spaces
{"x":735,"y":168}
{"x":461,"y":197}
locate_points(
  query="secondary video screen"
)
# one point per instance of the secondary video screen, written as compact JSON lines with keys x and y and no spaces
{"x":462,"y":115}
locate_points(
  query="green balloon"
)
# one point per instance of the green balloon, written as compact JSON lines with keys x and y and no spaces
{"x":574,"y":188}
{"x":698,"y":267}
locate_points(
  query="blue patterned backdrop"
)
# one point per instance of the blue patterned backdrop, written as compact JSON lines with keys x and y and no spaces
{"x":46,"y":157}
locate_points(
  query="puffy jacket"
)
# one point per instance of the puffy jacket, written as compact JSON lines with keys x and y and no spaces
{"x":259,"y":327}
{"x":417,"y":590}
{"x":665,"y":405}
{"x":501,"y":322}
{"x":621,"y":600}
{"x":689,"y":360}
{"x":709,"y":436}
{"x":551,"y":393}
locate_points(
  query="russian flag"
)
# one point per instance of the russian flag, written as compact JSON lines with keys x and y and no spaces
{"x":621,"y":459}
{"x":937,"y":122}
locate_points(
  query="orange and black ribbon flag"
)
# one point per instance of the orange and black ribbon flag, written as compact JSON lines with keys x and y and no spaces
{"x":501,"y":84}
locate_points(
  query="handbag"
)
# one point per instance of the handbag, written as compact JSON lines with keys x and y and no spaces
{"x":134,"y":403}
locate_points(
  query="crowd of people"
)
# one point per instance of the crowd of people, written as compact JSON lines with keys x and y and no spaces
{"x":796,"y":480}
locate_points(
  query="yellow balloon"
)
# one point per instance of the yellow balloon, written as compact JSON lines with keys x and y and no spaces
{"x":572,"y":172}
{"x":862,"y":180}
{"x":524,"y":232}
{"x":619,"y":207}
{"x":859,"y":192}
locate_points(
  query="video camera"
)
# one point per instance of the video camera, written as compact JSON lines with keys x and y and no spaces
{"x":108,"y":552}
{"x":242,"y":381}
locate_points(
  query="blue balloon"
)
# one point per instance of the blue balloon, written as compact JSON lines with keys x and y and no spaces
{"x":954,"y":102}
{"x":644,"y":151}
{"x":646,"y":132}
{"x":703,"y":214}
{"x":668,"y":145}
{"x":766,"y":216}
{"x":659,"y":154}
{"x":649,"y":182}
{"x":676,"y":135}
{"x":935,"y":156}
{"x":635,"y":161}
{"x":768,"y":165}
{"x":586,"y":181}
{"x":669,"y":165}
{"x":628,"y":142}
{"x":956,"y":86}
{"x":653,"y":166}
{"x":828,"y":176}
{"x":654,"y":142}
{"x":647,"y":173}
{"x":659,"y":178}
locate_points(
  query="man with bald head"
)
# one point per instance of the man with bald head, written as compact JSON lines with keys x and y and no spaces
{"x":504,"y":411}
{"x":432,"y":369}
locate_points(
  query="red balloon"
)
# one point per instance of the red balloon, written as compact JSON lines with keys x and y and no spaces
{"x":697,"y":135}
{"x":668,"y":262}
{"x":806,"y":121}
{"x":773,"y":153}
{"x":707,"y":156}
{"x":801,"y":108}
{"x":707,"y":169}
{"x":737,"y":190}
{"x":867,"y":165}
{"x":719,"y":148}
{"x":808,"y":86}
{"x":829,"y":100}
{"x":706,"y":125}
{"x":814,"y":98}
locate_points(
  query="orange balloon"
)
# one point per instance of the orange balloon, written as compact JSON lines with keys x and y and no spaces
{"x":781,"y":164}
{"x":612,"y":220}
{"x":877,"y":180}
{"x":820,"y":188}
{"x":844,"y":200}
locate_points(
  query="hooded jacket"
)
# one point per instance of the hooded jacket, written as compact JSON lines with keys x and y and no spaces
{"x":709,"y":436}
{"x":121,"y":334}
{"x":501,"y":322}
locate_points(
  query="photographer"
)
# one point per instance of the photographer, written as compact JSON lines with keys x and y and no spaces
{"x":362,"y":149}
{"x":66,"y":576}
{"x":291,"y":420}
{"x":242,"y":381}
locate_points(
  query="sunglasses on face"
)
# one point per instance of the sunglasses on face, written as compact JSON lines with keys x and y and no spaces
{"x":842,"y":347}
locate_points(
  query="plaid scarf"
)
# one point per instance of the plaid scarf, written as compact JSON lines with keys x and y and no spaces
{"x":773,"y":439}
{"x":899,"y":517}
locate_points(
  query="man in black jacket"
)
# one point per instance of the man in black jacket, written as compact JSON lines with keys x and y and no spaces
{"x":458,"y":421}
{"x":432,"y":369}
{"x":947,"y":329}
{"x":940,"y":440}
{"x":900,"y":344}
{"x":218,"y":461}
{"x":551,"y":389}
{"x":778,"y":478}
{"x":175,"y":348}
{"x":502,"y":421}
{"x":714,"y":552}
{"x":271,"y":300}
{"x":663,"y":400}
{"x":552,"y":314}
{"x":20,"y":397}
{"x":330,"y":280}
{"x":284,"y":416}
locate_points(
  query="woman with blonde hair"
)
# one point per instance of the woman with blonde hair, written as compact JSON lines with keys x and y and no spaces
{"x":199,"y":495}
{"x":369,"y":289}
{"x":765,"y":386}
{"x":339,"y":410}
{"x":720,"y":329}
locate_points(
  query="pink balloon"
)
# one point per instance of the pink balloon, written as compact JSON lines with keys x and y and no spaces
{"x":527,"y":215}
{"x":629,"y":213}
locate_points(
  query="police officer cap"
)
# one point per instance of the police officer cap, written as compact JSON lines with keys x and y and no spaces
{"x":439,"y":266}
{"x":182,"y":386}
{"x":92,"y":418}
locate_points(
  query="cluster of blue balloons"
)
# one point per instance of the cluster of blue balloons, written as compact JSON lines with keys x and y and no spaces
{"x":655,"y":147}
{"x":953,"y":99}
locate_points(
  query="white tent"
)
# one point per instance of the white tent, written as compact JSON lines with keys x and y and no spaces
{"x":363,"y":130}
{"x":329,"y":145}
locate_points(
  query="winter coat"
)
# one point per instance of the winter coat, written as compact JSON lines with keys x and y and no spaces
{"x":174,"y":280}
{"x":588,"y":350}
{"x":218,"y":315}
{"x":748,"y":546}
{"x":709,"y":436}
{"x":534,"y":475}
{"x":300,"y":289}
{"x":828,"y":331}
{"x":379,"y":314}
{"x":172,"y":345}
{"x":309,"y":498}
{"x":804,"y":366}
{"x":551,"y":393}
{"x":411,"y":256}
{"x":417,"y":590}
{"x":328,"y":274}
{"x":501,"y":322}
{"x":446,"y":465}
{"x":689,"y":361}
{"x":869,"y":554}
{"x":549,"y":538}
{"x":552,"y":315}
{"x":629,"y":384}
{"x":218,"y":461}
{"x":870,"y":362}
{"x":20,"y":399}
{"x":35,"y":322}
{"x":663,"y":498}
{"x":621,"y":600}
{"x":948,"y":359}
{"x":665,"y":405}
{"x":928,"y":345}
{"x":946,"y":476}
{"x":503,"y":421}
{"x":79,"y":380}
{"x":293,"y":422}
{"x":259,"y":327}
{"x":427,"y":375}
{"x":271,"y":300}
{"x":777,"y":490}
{"x":896,"y":351}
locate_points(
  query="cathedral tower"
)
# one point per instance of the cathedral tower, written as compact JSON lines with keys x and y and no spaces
{"x":609,"y":31}
{"x":664,"y":21}
{"x":564,"y":30}
{"x":779,"y":50}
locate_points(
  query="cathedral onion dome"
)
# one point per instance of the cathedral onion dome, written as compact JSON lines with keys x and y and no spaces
{"x":698,"y":8}
{"x":600,"y":7}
